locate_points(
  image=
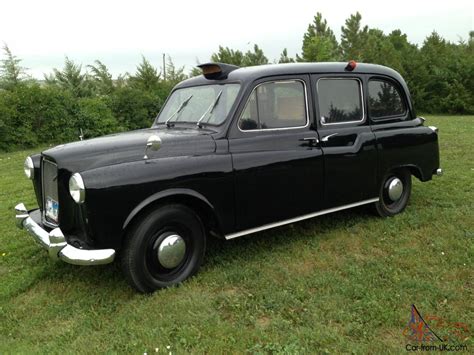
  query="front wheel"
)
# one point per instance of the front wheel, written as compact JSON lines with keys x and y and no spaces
{"x":394,"y":193}
{"x":164,"y":248}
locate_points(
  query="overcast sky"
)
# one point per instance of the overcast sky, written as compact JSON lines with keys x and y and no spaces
{"x":119,"y":32}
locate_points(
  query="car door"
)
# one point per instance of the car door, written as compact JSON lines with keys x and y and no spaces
{"x":347,"y":141}
{"x":277,"y":161}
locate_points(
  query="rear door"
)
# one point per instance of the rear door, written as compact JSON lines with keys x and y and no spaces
{"x":347,"y":141}
{"x":277,"y":161}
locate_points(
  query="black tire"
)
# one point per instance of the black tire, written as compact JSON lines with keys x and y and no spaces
{"x":140,"y":262}
{"x":387,"y":207}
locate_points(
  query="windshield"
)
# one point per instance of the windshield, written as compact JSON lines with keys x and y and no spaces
{"x":208,"y":104}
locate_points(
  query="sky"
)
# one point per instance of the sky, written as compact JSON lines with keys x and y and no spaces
{"x":118,"y":32}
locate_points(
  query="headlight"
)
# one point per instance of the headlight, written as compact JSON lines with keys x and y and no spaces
{"x":29,"y":168}
{"x":77,"y":188}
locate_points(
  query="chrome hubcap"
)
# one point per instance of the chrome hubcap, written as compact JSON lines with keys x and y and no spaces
{"x":395,"y":189}
{"x":171,"y":251}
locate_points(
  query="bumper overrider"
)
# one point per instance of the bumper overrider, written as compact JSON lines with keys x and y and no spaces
{"x":56,"y":245}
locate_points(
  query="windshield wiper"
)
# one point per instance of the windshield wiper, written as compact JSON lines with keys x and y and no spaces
{"x":209,"y":110}
{"x":180,"y":108}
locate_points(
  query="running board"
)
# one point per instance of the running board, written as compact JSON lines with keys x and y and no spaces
{"x":297,"y":219}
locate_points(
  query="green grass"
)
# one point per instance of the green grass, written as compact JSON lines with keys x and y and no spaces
{"x":338,"y":283}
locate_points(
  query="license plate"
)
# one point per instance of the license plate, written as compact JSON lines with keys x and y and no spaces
{"x":52,"y":209}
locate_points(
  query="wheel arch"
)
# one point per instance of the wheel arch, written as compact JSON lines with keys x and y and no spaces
{"x":188,"y":197}
{"x":414,"y":170}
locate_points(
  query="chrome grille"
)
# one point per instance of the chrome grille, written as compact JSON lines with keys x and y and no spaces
{"x":49,"y":172}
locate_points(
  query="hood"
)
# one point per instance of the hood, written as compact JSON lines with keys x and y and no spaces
{"x":130,"y":146}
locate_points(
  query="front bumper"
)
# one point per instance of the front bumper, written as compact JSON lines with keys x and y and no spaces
{"x":56,"y":244}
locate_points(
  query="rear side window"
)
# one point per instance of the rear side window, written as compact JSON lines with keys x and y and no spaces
{"x":340,"y":100}
{"x":273,"y":105}
{"x":384,"y":100}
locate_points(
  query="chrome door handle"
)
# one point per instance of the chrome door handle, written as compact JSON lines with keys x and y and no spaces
{"x":312,"y":141}
{"x":326,"y":138}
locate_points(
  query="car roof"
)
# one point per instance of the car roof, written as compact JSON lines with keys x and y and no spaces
{"x":247,"y":74}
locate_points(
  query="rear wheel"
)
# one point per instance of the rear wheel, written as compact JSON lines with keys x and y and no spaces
{"x":394,"y":193}
{"x":164,"y":248}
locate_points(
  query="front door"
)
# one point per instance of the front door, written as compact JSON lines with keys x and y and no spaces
{"x":347,"y":141}
{"x":277,"y":160}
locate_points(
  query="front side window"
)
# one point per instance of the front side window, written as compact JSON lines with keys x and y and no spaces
{"x":209,"y":103}
{"x":273,"y":105}
{"x":384,"y":100}
{"x":340,"y":100}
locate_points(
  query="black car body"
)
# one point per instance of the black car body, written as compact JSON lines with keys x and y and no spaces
{"x":293,"y":141}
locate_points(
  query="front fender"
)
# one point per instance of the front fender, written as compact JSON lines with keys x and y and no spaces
{"x":166,"y":194}
{"x":116,"y":194}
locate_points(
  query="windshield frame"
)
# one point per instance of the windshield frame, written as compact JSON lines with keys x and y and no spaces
{"x":194,"y":123}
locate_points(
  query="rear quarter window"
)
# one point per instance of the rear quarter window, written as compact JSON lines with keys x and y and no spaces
{"x":385,"y":100}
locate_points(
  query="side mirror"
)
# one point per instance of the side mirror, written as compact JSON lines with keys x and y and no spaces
{"x":153,"y":143}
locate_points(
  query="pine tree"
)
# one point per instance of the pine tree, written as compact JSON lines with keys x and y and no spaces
{"x":237,"y":57}
{"x":173,"y":74}
{"x":229,"y":56}
{"x":319,"y":42}
{"x":255,"y":57}
{"x":353,"y":38}
{"x":11,"y":72}
{"x":195,"y":71}
{"x":146,"y":77}
{"x":284,"y":58}
{"x":71,"y":78}
{"x":101,"y":78}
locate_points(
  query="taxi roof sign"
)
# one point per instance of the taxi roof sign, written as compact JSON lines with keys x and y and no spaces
{"x":216,"y":71}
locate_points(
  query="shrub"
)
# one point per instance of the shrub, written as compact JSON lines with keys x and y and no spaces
{"x":134,"y":108}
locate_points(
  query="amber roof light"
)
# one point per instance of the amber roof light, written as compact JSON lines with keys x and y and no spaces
{"x":351,"y":65}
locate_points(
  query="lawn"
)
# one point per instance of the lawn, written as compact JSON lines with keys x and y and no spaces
{"x":343,"y":282}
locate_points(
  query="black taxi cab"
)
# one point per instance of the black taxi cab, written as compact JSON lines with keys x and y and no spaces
{"x":232,"y":152}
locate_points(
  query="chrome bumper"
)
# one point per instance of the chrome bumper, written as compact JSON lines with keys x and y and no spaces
{"x":56,"y":245}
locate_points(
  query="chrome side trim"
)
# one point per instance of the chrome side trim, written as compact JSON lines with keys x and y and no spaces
{"x":297,"y":219}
